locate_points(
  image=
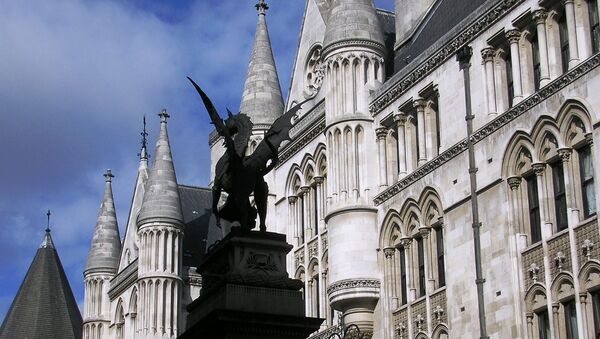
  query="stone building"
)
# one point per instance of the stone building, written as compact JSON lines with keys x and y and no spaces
{"x":439,"y":184}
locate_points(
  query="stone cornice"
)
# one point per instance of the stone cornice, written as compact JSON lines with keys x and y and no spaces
{"x":352,"y":284}
{"x":491,"y":127}
{"x":296,"y":145}
{"x":329,"y":49}
{"x":441,"y":55}
{"x":123,"y":280}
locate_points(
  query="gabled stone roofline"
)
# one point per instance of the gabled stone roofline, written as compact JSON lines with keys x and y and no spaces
{"x":465,"y":32}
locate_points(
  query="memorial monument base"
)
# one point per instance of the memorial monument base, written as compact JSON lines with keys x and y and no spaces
{"x":246,"y":291}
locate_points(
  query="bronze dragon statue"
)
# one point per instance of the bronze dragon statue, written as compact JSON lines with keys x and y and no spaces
{"x":241,"y":175}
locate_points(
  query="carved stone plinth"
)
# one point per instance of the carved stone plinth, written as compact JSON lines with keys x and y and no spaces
{"x":247,"y":293}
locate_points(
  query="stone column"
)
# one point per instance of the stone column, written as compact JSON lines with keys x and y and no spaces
{"x":430,"y":130}
{"x":487,"y":54}
{"x":555,"y":322}
{"x":419,"y":104}
{"x":319,"y":182}
{"x":400,"y":120}
{"x":583,"y":312}
{"x":292,"y":217}
{"x":570,"y":189}
{"x":381,"y":133}
{"x":411,"y":292}
{"x":305,"y":212}
{"x":513,"y":37}
{"x":410,"y":143}
{"x":540,"y":16}
{"x":514,"y":183}
{"x":390,"y":281}
{"x":429,"y":284}
{"x":538,"y":169}
{"x":530,"y":325}
{"x":572,"y":30}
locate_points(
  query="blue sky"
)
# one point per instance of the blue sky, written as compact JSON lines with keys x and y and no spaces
{"x":77,"y":76}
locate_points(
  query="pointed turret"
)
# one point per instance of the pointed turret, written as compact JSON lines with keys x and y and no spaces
{"x":261,"y":99}
{"x":352,"y":23}
{"x":130,"y":247}
{"x":106,"y":243}
{"x":161,"y":199}
{"x":44,"y":306}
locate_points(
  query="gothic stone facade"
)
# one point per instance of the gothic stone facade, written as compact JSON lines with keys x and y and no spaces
{"x":422,"y":205}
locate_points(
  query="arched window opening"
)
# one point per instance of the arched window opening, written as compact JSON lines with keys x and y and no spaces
{"x":586,"y":173}
{"x":594,"y":25}
{"x":564,"y":42}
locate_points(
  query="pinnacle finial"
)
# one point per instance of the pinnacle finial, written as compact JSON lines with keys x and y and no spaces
{"x":164,"y":115}
{"x":48,"y":224}
{"x":144,"y":150}
{"x":261,"y":6}
{"x":108,"y":175}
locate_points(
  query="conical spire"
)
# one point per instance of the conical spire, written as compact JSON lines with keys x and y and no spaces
{"x":161,"y":199}
{"x":44,"y":306}
{"x":261,"y":99}
{"x":106,"y":243}
{"x":352,"y":22}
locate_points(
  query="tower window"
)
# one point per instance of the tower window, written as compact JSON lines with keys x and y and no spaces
{"x":403,"y":275}
{"x":534,"y":209}
{"x":587,"y":181}
{"x":439,"y":235}
{"x":560,"y":199}
{"x":594,"y":25}
{"x":543,"y":325}
{"x":421,"y":265}
{"x":571,"y":319}
{"x":564,"y":42}
{"x":537,"y":68}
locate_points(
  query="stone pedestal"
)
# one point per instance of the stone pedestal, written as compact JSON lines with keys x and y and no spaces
{"x":246,"y":291}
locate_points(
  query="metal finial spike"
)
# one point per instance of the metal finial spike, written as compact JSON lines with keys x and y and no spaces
{"x":108,"y":175}
{"x":261,"y":7}
{"x":48,"y":224}
{"x":164,"y":115}
{"x":144,"y":150}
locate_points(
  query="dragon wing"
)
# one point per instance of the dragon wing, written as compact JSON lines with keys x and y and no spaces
{"x":212,"y":112}
{"x":280,"y":129}
{"x":267,"y":149}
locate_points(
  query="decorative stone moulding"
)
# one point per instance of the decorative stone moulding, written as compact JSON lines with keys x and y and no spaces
{"x":353,"y":43}
{"x":444,"y":53}
{"x":354,"y":288}
{"x":314,"y":72}
{"x":491,"y":127}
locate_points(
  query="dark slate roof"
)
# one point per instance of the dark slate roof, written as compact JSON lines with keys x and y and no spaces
{"x":44,"y":306}
{"x":444,"y":17}
{"x":201,"y":229}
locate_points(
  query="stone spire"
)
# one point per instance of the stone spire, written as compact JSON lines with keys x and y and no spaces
{"x":353,"y":22}
{"x":106,"y":243}
{"x":261,"y":99}
{"x":161,"y":199}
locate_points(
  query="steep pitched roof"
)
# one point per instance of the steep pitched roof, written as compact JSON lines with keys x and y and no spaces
{"x":44,"y":306}
{"x":201,"y":228}
{"x":105,"y":251}
{"x":161,"y":199}
{"x":261,"y":99}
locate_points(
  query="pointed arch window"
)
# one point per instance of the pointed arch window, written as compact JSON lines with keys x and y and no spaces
{"x":588,"y":191}
{"x":560,"y":198}
{"x":570,"y":319}
{"x":543,"y":324}
{"x":564,"y":42}
{"x":534,"y":208}
{"x":439,"y":237}
{"x":421,"y":265}
{"x":535,"y":57}
{"x":594,"y":25}
{"x":403,"y":293}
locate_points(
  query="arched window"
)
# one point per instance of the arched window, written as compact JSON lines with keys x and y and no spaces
{"x":594,"y":24}
{"x":564,"y":42}
{"x":120,"y":320}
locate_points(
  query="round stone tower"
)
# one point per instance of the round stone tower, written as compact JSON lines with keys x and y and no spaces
{"x":353,"y":52}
